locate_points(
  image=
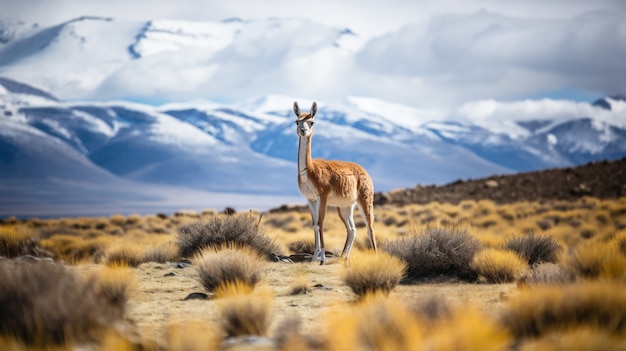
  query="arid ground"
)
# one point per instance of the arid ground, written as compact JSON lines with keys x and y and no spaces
{"x":578,"y":215}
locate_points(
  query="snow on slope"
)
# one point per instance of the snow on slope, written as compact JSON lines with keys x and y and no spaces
{"x":72,"y":58}
{"x":172,"y":35}
{"x":164,"y":60}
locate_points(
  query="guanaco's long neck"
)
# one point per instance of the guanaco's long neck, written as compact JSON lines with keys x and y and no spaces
{"x":304,"y":156}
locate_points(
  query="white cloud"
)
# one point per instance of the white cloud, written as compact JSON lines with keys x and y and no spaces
{"x":465,"y":57}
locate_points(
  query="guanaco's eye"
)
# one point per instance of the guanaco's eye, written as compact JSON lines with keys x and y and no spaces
{"x":312,"y":123}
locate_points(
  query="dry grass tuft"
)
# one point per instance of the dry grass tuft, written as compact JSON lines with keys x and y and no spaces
{"x":300,"y":285}
{"x":46,"y":304}
{"x":467,"y":328}
{"x":543,"y":309}
{"x":368,"y":272}
{"x":161,"y":252}
{"x":597,"y":260}
{"x":17,"y":241}
{"x":124,"y":254}
{"x":438,"y":251}
{"x":580,"y":338}
{"x":239,"y":229}
{"x":113,"y":284}
{"x":245,"y":314}
{"x":619,"y":241}
{"x":228,"y":266}
{"x":375,"y":322}
{"x":499,"y":266}
{"x":535,"y":248}
{"x":192,"y":336}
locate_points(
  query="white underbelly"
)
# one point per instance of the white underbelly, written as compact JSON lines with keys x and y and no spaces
{"x":339,"y":201}
{"x":310,"y":192}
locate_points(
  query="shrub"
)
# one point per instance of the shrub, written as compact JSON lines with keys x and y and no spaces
{"x":245,"y":314}
{"x":17,"y":241}
{"x":597,"y":260}
{"x":220,"y":267}
{"x":239,"y":229}
{"x":46,"y":304}
{"x":498,"y":266}
{"x":535,"y":248}
{"x":438,"y":251}
{"x":368,"y":272}
{"x":546,"y":308}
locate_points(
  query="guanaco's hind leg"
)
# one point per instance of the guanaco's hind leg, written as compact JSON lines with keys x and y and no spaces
{"x":347,"y":217}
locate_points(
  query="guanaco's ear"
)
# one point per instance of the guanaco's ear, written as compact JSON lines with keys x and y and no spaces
{"x":313,"y":109}
{"x":296,"y":108}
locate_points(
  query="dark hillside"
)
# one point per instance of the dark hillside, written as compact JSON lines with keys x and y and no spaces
{"x":603,"y":180}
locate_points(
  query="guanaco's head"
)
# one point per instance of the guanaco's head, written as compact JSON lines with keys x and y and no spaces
{"x":305,"y":121}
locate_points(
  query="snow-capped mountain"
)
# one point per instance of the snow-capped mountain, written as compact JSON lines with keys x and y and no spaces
{"x":95,"y":56}
{"x":86,"y":152}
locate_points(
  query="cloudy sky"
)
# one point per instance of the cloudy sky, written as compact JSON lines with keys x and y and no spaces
{"x":428,"y":54}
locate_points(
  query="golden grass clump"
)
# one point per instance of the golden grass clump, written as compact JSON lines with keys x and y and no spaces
{"x":369,"y":272}
{"x":619,"y":241}
{"x":579,"y":338}
{"x":113,"y":284}
{"x":219,"y":268}
{"x":245,"y":314}
{"x":76,"y":248}
{"x":497,"y":266}
{"x":543,"y":309}
{"x":375,"y":322}
{"x":597,"y":261}
{"x":161,"y":252}
{"x":124,"y":253}
{"x":192,"y":336}
{"x":467,"y":328}
{"x":16,"y":241}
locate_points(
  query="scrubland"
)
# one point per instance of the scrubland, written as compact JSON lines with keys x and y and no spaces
{"x":544,"y":275}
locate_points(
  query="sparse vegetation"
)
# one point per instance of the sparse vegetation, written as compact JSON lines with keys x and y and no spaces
{"x":239,"y":229}
{"x":570,"y":277}
{"x":218,"y":268}
{"x":557,"y":308}
{"x":498,"y":266}
{"x":368,"y":272}
{"x":46,"y":304}
{"x":245,"y":314}
{"x":535,"y":248}
{"x":437,"y":251}
{"x":16,"y":241}
{"x":600,"y":260}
